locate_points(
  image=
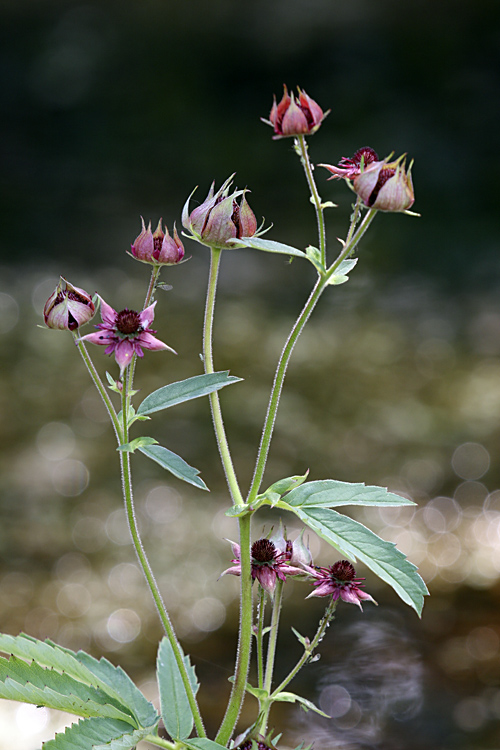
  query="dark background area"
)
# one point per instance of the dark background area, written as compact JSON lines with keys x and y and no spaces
{"x":114,"y":110}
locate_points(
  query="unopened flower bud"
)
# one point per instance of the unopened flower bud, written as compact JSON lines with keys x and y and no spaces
{"x":385,"y":185}
{"x":68,"y":307}
{"x":158,"y":248}
{"x":295,"y":116}
{"x":221,"y":217}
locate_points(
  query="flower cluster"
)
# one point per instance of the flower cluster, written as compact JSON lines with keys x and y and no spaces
{"x":277,"y":557}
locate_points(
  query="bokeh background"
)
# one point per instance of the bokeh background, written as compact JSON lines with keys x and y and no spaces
{"x":112,"y":110}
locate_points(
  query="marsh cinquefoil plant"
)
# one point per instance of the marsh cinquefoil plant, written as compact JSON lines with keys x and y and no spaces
{"x":114,"y":713}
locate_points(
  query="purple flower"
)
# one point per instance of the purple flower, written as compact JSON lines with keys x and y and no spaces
{"x":350,"y":167}
{"x":384,"y":185}
{"x":68,"y":307}
{"x":339,"y":581}
{"x":126,"y":333}
{"x":269,"y":563}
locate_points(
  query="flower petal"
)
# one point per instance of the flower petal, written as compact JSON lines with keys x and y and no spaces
{"x":146,"y":317}
{"x":108,"y":315}
{"x":124,"y":352}
{"x":148,"y":341}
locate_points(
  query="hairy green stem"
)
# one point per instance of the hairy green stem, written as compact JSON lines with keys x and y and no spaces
{"x":144,"y":562}
{"x":261,"y":607}
{"x":271,"y":655}
{"x":244,"y":639}
{"x":316,"y":200}
{"x":246,"y":605}
{"x":279,"y":378}
{"x":220,"y":431}
{"x":286,"y":354}
{"x":101,"y":388}
{"x":308,"y":652}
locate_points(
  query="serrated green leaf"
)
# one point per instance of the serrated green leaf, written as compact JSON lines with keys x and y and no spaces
{"x":174,"y":704}
{"x":202,"y":743}
{"x":331,"y":493}
{"x":185,"y":390}
{"x":140,"y":442}
{"x":355,"y":541}
{"x":174,"y":464}
{"x":31,"y":683}
{"x":269,"y":246}
{"x":293,"y":698}
{"x":98,"y":734}
{"x":81,"y":666}
{"x":117,"y":680}
{"x":48,"y":654}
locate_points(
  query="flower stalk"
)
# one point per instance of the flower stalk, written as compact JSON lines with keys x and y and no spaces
{"x":144,"y":562}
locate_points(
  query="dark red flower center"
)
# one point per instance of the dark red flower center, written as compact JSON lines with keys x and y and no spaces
{"x":248,"y":745}
{"x":367,"y":154}
{"x":385,"y":174}
{"x":128,"y":322}
{"x":157,"y":243}
{"x":235,"y":218}
{"x":263,"y":551}
{"x":342,"y":571}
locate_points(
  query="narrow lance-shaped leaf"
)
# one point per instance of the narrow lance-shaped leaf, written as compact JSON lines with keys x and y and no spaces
{"x":185,"y":390}
{"x":174,"y":704}
{"x":330,"y":493}
{"x":294,"y":698}
{"x":355,"y":541}
{"x":269,"y":246}
{"x":174,"y":464}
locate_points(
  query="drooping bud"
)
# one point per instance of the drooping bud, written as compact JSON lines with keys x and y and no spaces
{"x":386,"y":186}
{"x":295,"y":116}
{"x":159,"y":249}
{"x":68,"y":307}
{"x":221,"y":217}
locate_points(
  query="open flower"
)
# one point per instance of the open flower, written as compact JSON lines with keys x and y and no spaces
{"x":221,"y":217}
{"x":68,"y":307}
{"x":126,"y":333}
{"x":384,"y":185}
{"x":339,"y":581}
{"x":350,"y":167}
{"x":268,"y":564}
{"x":158,"y":248}
{"x":295,"y":116}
